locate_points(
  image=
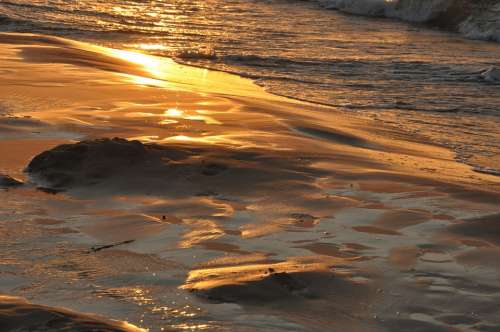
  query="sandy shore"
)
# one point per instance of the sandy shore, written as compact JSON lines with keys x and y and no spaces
{"x":222,"y":207}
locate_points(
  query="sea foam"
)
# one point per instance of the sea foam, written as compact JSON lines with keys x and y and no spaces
{"x":475,"y":19}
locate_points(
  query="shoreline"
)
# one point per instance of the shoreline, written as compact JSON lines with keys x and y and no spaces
{"x":241,"y":209}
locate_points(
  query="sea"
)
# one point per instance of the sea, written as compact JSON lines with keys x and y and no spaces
{"x":429,"y":67}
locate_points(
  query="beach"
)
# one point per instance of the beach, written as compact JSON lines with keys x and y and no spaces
{"x":146,"y":194}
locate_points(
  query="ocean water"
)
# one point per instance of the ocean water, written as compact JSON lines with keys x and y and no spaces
{"x":439,"y":84}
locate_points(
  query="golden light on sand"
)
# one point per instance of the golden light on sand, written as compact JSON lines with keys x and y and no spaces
{"x":177,"y":113}
{"x":157,"y":67}
{"x":213,"y":139}
{"x":174,"y":112}
{"x":139,"y":115}
{"x":137,"y":58}
{"x":146,"y":81}
{"x":149,"y":70}
{"x":168,"y":121}
{"x":207,"y":278}
{"x":186,"y":138}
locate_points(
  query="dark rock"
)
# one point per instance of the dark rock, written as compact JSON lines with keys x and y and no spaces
{"x":87,"y":160}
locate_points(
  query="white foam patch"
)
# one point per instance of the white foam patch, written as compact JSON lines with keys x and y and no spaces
{"x":481,"y":20}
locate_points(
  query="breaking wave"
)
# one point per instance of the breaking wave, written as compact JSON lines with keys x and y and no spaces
{"x":479,"y":19}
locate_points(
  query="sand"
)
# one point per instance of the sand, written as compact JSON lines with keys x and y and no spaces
{"x":177,"y":198}
{"x":19,"y":315}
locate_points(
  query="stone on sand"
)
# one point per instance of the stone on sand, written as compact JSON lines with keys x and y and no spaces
{"x":88,"y":161}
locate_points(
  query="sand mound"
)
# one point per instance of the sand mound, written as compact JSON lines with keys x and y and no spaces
{"x":299,"y":278}
{"x":86,"y":161}
{"x":118,"y":165}
{"x":19,"y":315}
{"x":274,"y":286}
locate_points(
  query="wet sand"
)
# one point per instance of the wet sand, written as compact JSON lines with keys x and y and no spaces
{"x":18,"y":315}
{"x":221,"y":207}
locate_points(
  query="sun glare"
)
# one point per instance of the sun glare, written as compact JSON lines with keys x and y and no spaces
{"x":174,"y":112}
{"x":157,"y":67}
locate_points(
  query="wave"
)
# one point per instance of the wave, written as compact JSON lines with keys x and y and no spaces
{"x":479,"y":19}
{"x":8,"y":24}
{"x":57,"y":9}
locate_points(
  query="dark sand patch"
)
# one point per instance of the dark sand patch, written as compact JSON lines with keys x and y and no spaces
{"x":20,"y":122}
{"x":225,"y":247}
{"x":357,"y":246}
{"x":452,"y":319}
{"x":130,"y":262}
{"x":375,"y":230}
{"x":399,"y":325}
{"x":389,"y":182}
{"x":404,"y":257}
{"x":399,"y":219}
{"x":31,"y":39}
{"x":481,"y":257}
{"x":488,"y":327}
{"x":331,"y":249}
{"x":132,"y":227}
{"x":485,"y":228}
{"x":335,"y":136}
{"x":48,"y":221}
